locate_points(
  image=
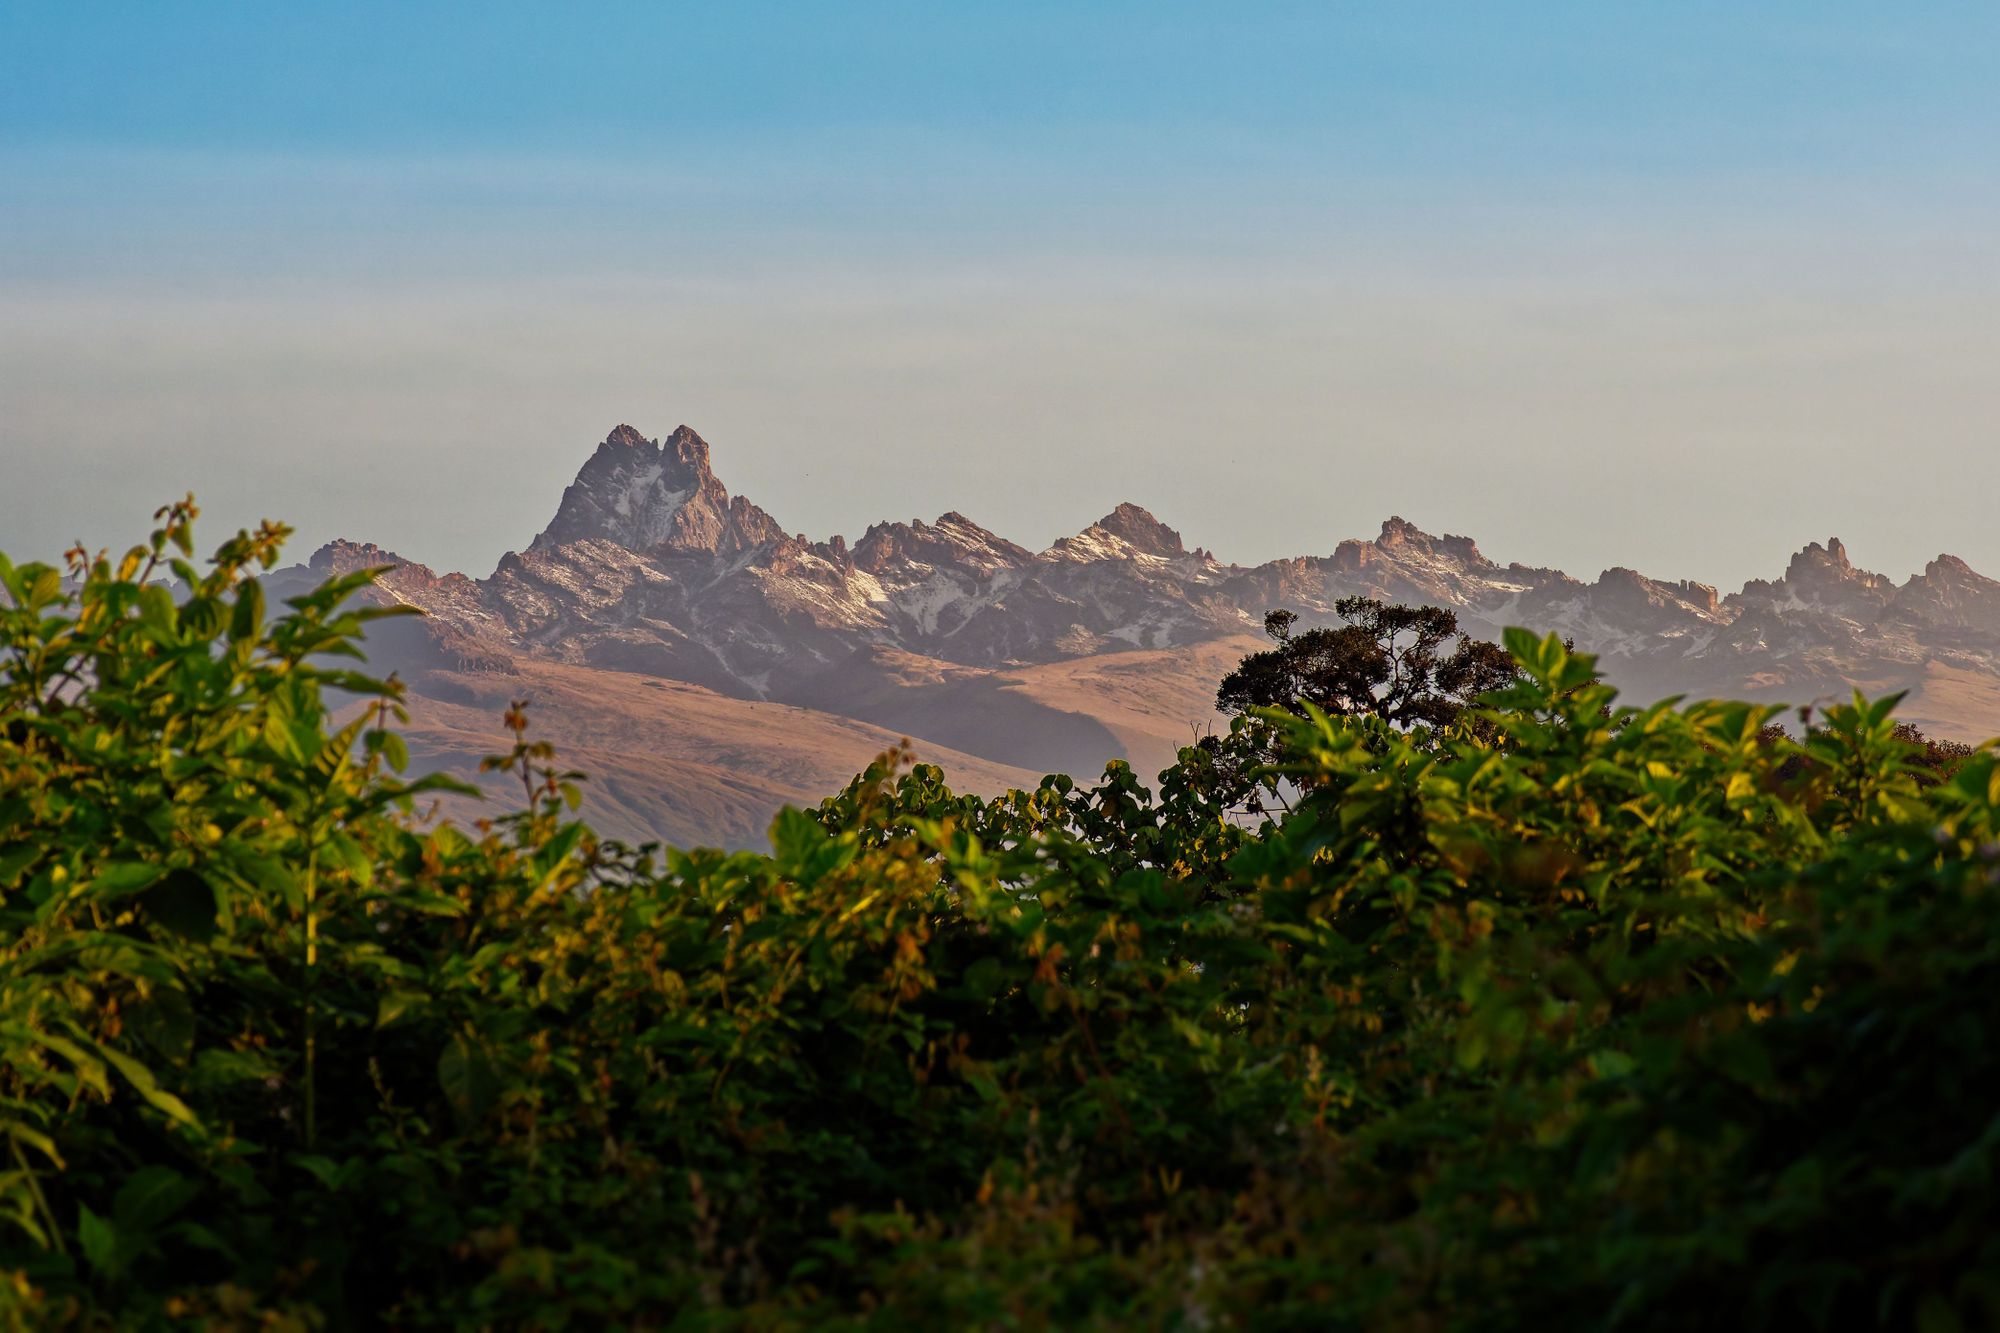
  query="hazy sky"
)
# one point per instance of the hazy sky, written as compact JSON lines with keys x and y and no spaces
{"x":1675,"y":285}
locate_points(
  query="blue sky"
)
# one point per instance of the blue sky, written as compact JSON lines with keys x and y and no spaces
{"x":1679,"y":286}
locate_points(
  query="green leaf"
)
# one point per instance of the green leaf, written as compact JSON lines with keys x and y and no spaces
{"x":89,"y":1069}
{"x":201,"y":617}
{"x":396,"y":1004}
{"x":119,"y":878}
{"x":47,"y":586}
{"x":14,"y":862}
{"x":1524,"y":646}
{"x":1472,"y":1046}
{"x":143,"y":1083}
{"x":194,"y":1233}
{"x":34,"y":1138}
{"x":283,"y":739}
{"x":803,"y":849}
{"x":795,"y":835}
{"x":165,"y":1022}
{"x":334,"y":1176}
{"x":246,"y":618}
{"x":985,"y":977}
{"x":149,"y":1197}
{"x":349,"y":855}
{"x":468,"y":1079}
{"x":99,"y":1240}
{"x":156,"y":608}
{"x":1612,"y":1064}
{"x":550,"y":858}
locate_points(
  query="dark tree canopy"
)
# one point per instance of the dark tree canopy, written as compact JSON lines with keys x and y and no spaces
{"x":1409,"y":666}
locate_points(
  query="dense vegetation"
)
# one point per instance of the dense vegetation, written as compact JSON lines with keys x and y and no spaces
{"x":1581,"y":1016}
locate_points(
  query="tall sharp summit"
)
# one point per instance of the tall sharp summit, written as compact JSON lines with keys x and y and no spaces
{"x":1126,"y":531}
{"x":1110,"y":641}
{"x":650,"y":495}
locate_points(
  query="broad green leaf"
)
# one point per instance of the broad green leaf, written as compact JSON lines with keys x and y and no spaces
{"x":119,"y":878}
{"x":149,"y":1197}
{"x":157,"y":610}
{"x":99,"y":1241}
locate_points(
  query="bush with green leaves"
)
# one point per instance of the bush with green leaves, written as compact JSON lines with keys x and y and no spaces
{"x":1587,"y":1016}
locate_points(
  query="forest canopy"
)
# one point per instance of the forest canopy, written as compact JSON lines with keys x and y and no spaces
{"x":1545,"y":1012}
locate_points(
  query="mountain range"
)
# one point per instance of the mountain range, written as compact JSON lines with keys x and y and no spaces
{"x":705,"y":666}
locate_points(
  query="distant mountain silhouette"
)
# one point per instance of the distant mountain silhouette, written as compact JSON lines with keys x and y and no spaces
{"x":1011,"y":662}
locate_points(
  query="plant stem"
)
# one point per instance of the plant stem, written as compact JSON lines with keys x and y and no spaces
{"x":312,"y":961}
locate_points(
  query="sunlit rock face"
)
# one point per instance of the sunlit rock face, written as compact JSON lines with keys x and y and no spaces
{"x":656,"y":494}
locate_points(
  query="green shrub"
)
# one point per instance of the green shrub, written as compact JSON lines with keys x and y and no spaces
{"x":1579,"y":1016}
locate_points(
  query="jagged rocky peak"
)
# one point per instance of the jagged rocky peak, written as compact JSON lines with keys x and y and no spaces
{"x":1125,"y":532}
{"x":1949,"y":590}
{"x":1820,"y":576}
{"x":689,"y":450}
{"x":1141,"y":531}
{"x":1628,"y":589}
{"x":1950,"y":566}
{"x":1951,"y":578}
{"x":1701,"y":595}
{"x":1402,"y":541}
{"x":341,"y":556}
{"x":1818,"y":561}
{"x":656,"y":495}
{"x":404,"y":578}
{"x":1826,"y":566}
{"x":954,"y":540}
{"x":1400,"y":533}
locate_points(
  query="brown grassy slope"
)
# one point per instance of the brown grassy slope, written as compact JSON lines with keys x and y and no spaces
{"x":1150,"y":702}
{"x":665,"y":760}
{"x":673,"y":761}
{"x":1058,"y":717}
{"x":1954,"y":704}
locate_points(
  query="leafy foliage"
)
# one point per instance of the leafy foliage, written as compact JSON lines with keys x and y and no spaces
{"x":1591,"y":1016}
{"x":1387,"y":662}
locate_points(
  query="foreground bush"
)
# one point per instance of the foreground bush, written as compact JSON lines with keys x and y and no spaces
{"x":1609,"y":1017}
